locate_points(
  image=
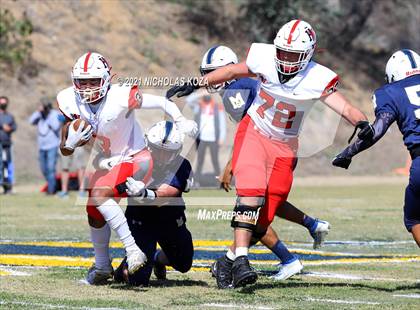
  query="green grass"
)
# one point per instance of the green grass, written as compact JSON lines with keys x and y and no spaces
{"x":360,"y":212}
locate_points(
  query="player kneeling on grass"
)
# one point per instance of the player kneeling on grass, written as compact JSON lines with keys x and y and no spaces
{"x":94,"y":107}
{"x":398,"y":101}
{"x":155,"y":212}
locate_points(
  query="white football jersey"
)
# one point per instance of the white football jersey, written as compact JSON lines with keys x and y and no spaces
{"x":279,"y":109}
{"x":115,"y":128}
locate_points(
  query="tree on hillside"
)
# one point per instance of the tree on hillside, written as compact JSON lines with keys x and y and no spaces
{"x":15,"y":45}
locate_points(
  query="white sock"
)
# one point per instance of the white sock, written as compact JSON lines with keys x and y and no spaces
{"x":230,"y":254}
{"x":100,"y":238}
{"x":241,"y":251}
{"x":115,"y":218}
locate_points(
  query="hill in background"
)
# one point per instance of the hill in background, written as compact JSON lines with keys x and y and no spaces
{"x":159,"y":38}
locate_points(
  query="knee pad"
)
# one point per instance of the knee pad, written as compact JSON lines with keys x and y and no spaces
{"x":246,"y":216}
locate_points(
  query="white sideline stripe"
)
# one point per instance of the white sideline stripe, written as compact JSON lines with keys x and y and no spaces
{"x":342,"y":301}
{"x":352,"y":277}
{"x":12,"y":272}
{"x":407,"y":295}
{"x":224,"y":306}
{"x":52,"y":306}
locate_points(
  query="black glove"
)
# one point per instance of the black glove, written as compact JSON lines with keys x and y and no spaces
{"x":366,"y":131}
{"x":182,"y":90}
{"x":341,"y":161}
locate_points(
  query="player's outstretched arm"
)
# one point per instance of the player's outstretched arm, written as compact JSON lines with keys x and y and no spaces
{"x":186,"y":126}
{"x":224,"y":74}
{"x":139,"y":189}
{"x":364,"y":141}
{"x":343,"y":107}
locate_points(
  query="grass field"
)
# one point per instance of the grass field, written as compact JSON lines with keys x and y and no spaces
{"x":369,"y":261}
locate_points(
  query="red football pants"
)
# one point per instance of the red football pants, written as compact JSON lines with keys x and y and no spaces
{"x":263,"y":167}
{"x":140,"y":167}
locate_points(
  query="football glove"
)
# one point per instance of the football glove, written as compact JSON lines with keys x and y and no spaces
{"x":182,"y":90}
{"x":366,"y":131}
{"x":77,"y":137}
{"x":341,"y":161}
{"x":135,"y":188}
{"x":187,"y":127}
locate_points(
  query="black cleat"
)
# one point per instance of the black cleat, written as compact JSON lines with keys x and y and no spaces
{"x":122,"y":269}
{"x":222,"y":271}
{"x":160,"y":271}
{"x":242,"y":273}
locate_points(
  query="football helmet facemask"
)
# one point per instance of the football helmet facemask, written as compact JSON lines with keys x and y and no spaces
{"x":91,"y":76}
{"x":295,"y":45}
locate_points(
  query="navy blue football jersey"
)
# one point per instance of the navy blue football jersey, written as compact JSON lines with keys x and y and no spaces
{"x":177,"y":174}
{"x":402,"y":100}
{"x":238,"y":96}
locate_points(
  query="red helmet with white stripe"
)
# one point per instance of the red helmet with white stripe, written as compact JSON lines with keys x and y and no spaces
{"x":295,"y":44}
{"x":91,"y":77}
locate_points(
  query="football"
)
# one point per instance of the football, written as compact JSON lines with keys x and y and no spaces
{"x":79,"y":122}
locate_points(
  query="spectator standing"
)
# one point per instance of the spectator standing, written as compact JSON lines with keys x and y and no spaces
{"x":7,"y":127}
{"x":48,"y":123}
{"x":75,"y":162}
{"x":211,"y":120}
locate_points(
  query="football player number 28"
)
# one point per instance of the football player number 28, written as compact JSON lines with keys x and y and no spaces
{"x":283,"y":117}
{"x":413,"y":94}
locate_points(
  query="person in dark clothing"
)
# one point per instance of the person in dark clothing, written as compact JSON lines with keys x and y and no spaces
{"x":7,"y":127}
{"x":156,"y":211}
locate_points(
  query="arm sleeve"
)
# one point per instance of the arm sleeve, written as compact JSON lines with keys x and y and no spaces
{"x":382,"y":122}
{"x":35,"y":117}
{"x":160,"y":102}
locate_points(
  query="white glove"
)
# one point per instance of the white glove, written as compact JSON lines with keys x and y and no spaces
{"x":187,"y":127}
{"x":135,"y":188}
{"x":76,"y":137}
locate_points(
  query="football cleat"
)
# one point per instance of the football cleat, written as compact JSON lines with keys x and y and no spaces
{"x":221,"y":269}
{"x":135,"y":260}
{"x":319,"y":233}
{"x":242,"y":272}
{"x":288,"y":270}
{"x":99,"y":276}
{"x":120,"y":274}
{"x":159,"y":270}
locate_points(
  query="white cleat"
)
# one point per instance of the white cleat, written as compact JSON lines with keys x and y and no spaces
{"x":288,"y":270}
{"x":320,"y":233}
{"x":99,"y":276}
{"x":135,"y":260}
